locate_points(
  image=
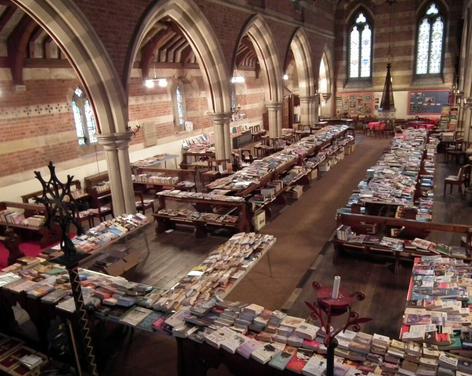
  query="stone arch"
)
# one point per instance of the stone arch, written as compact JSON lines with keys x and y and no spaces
{"x":203,"y":40}
{"x":262,"y":39}
{"x":302,"y":54}
{"x":327,"y":60}
{"x":201,"y":36}
{"x":71,"y":30}
{"x":300,"y":47}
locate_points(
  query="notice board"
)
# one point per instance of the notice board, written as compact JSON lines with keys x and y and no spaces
{"x":354,"y":104}
{"x":427,"y":102}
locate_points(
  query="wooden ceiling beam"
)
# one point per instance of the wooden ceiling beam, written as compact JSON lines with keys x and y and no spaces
{"x":148,"y":50}
{"x":6,"y":16}
{"x":17,"y":46}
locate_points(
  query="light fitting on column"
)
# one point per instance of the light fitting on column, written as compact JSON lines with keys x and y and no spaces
{"x":238,"y":80}
{"x":285,"y":77}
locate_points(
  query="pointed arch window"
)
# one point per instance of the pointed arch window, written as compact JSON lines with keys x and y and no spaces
{"x":430,"y":42}
{"x":180,"y":113}
{"x":84,"y":119}
{"x":360,"y":48}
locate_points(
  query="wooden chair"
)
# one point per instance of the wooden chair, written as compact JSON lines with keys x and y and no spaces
{"x":458,"y":180}
{"x":246,"y":156}
{"x":143,"y":204}
{"x":455,"y":150}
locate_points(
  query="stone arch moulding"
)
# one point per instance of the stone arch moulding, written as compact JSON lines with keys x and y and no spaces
{"x":302,"y":54}
{"x":202,"y":38}
{"x":300,"y":48}
{"x":327,"y":58}
{"x":262,"y":39}
{"x":70,"y":29}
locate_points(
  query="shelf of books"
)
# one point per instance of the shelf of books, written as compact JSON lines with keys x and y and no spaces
{"x":17,"y":359}
{"x":233,"y":202}
{"x":103,"y":247}
{"x":393,"y":205}
{"x":201,"y":210}
{"x":438,"y":306}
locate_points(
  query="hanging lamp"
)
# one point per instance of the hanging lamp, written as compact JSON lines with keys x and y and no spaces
{"x":387,"y":104}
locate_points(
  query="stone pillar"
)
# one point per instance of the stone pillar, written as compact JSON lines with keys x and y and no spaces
{"x":119,"y":171}
{"x":122,"y":141}
{"x":315,"y":105}
{"x":275,"y":119}
{"x":222,"y":135}
{"x":306,"y":110}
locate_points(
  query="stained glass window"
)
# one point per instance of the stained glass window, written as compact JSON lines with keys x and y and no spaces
{"x":180,"y":103}
{"x":84,"y":119}
{"x":360,"y":48}
{"x":429,"y":49}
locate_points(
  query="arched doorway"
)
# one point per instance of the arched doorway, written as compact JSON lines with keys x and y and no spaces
{"x":193,"y":38}
{"x":71,"y":31}
{"x":257,"y":37}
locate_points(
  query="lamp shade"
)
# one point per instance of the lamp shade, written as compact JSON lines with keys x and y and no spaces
{"x":387,"y":103}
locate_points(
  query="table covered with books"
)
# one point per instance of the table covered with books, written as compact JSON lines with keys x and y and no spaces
{"x":251,"y":339}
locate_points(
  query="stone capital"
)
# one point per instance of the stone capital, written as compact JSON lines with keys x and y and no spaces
{"x":115,"y":141}
{"x":274,"y":106}
{"x":221,"y":118}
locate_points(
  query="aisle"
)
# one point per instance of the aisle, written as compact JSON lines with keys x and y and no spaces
{"x":303,"y":228}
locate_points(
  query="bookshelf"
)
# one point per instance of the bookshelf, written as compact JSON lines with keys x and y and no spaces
{"x":372,"y":230}
{"x":204,"y":212}
{"x":27,"y":220}
{"x":160,"y":179}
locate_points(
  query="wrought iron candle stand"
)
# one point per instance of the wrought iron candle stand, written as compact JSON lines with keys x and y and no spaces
{"x":324,"y":308}
{"x":62,"y":211}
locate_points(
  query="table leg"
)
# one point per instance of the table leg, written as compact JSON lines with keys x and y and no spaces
{"x":269,"y":262}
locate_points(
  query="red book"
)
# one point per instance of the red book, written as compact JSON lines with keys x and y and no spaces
{"x":298,"y":362}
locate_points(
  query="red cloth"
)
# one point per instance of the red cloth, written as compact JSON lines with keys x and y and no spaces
{"x":28,"y":249}
{"x":376,"y":126}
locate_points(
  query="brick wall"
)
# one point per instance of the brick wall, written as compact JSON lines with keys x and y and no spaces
{"x":403,"y":45}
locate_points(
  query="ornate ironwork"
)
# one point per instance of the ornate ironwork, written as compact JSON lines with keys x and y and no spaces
{"x":324,"y":308}
{"x":62,"y":211}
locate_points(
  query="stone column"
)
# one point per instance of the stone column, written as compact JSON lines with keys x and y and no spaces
{"x":122,"y":141}
{"x":275,"y":119}
{"x":119,"y":171}
{"x":315,"y":105}
{"x":306,"y":110}
{"x":222,"y":135}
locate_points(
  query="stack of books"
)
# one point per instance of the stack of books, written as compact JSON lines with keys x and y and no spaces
{"x":262,"y":168}
{"x":412,"y":248}
{"x":220,"y":271}
{"x":157,"y":178}
{"x":17,"y":359}
{"x":394,"y":179}
{"x":438,"y":309}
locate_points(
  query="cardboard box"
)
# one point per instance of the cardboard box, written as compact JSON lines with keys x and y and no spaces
{"x":313,"y":174}
{"x":259,"y":220}
{"x":296,"y":192}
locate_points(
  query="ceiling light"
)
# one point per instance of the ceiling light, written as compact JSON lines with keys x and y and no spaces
{"x":149,"y":84}
{"x":162,"y":82}
{"x":238,"y":80}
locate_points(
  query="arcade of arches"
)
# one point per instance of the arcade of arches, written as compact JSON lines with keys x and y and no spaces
{"x":137,"y":97}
